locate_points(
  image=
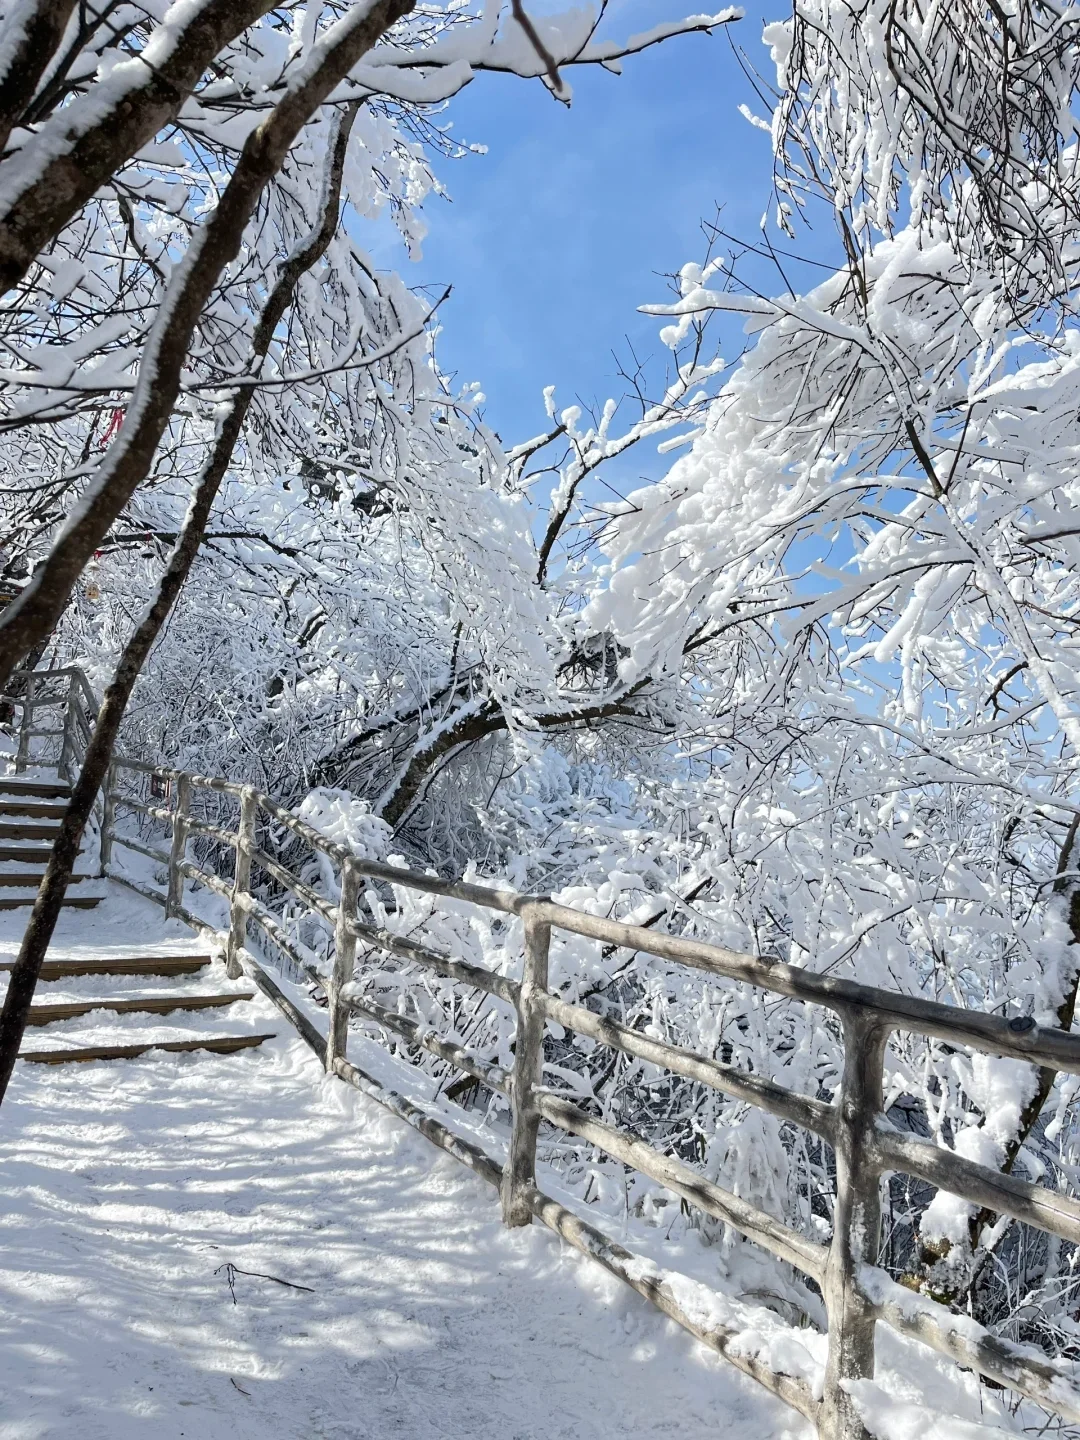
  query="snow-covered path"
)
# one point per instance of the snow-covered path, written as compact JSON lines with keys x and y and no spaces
{"x":129,"y":1188}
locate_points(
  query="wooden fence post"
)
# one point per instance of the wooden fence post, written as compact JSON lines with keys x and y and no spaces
{"x":856,"y":1225}
{"x":67,"y":763}
{"x":178,"y":849}
{"x":245,"y":842}
{"x":108,"y":817}
{"x":337,"y":1033}
{"x":22,"y":755}
{"x":520,"y":1168}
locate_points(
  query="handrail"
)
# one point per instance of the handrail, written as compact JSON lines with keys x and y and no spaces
{"x":857,"y":1295}
{"x":79,"y":704}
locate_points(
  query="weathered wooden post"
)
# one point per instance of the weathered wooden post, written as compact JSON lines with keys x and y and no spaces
{"x":245,"y":843}
{"x":856,"y":1225}
{"x":520,"y":1169}
{"x":337,"y":1034}
{"x":66,"y":767}
{"x":178,"y":849}
{"x":108,"y":817}
{"x":22,"y":754}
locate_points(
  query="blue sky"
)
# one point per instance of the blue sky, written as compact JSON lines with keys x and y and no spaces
{"x":554,"y":237}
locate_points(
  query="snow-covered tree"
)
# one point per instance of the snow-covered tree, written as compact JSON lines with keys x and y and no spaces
{"x":881,"y":502}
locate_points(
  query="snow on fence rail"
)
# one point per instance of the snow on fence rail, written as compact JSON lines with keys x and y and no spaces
{"x":857,"y":1294}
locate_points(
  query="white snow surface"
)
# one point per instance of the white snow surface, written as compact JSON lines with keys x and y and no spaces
{"x":129,"y":1186}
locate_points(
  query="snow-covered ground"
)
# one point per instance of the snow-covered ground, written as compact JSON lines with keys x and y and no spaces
{"x":130,"y":1188}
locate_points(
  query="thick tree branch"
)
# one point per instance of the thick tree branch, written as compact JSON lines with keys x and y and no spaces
{"x":489,"y":719}
{"x":43,"y":23}
{"x":81,"y":145}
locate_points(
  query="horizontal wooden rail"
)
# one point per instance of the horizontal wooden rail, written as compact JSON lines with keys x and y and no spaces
{"x":205,"y":877}
{"x":275,"y":933}
{"x":1052,"y":1384}
{"x":140,"y":807}
{"x":217,"y":833}
{"x":799,"y":1109}
{"x":1020,"y":1039}
{"x":675,"y":1297}
{"x":1034,"y":1204}
{"x":143,"y":767}
{"x":864,"y":1145}
{"x":773,"y":1235}
{"x":1015,"y":1038}
{"x":295,"y":886}
{"x":150,"y":851}
{"x":148,"y":892}
{"x":441,"y":963}
{"x":493,"y":1076}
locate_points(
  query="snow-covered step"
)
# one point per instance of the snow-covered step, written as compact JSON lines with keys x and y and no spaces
{"x":14,"y":900}
{"x":118,"y":965}
{"x":13,"y":879}
{"x":101,"y":1026}
{"x":31,"y":805}
{"x":19,"y":884}
{"x":82,"y":1024}
{"x":39,"y":789}
{"x":221,"y":1044}
{"x":28,"y":829}
{"x":139,"y":1005}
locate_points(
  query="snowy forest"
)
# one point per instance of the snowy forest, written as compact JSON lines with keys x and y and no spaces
{"x":811,"y":692}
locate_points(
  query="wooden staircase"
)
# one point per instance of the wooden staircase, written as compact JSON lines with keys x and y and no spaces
{"x":31,"y":810}
{"x":30,"y":813}
{"x":133,"y":968}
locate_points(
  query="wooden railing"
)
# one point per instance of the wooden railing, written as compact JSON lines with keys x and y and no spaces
{"x":64,"y":696}
{"x":857,"y":1295}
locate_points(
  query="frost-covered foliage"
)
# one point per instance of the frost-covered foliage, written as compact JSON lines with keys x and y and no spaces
{"x":878,"y":517}
{"x":414,"y":632}
{"x":956,"y":117}
{"x":344,"y":820}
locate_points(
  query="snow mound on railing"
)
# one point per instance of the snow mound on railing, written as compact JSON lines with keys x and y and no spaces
{"x":347,"y":821}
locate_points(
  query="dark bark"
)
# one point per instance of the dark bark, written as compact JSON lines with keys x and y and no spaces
{"x":43,"y":33}
{"x":39,"y":932}
{"x":71,"y":178}
{"x":490,"y":719}
{"x":1046,"y":1075}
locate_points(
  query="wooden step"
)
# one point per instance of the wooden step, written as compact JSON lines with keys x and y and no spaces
{"x":42,"y":789}
{"x":31,"y":879}
{"x":73,"y":902}
{"x":222,"y":1044}
{"x":150,"y":1005}
{"x":127,"y":965}
{"x":40,"y":809}
{"x":27,"y":830}
{"x":28,"y":854}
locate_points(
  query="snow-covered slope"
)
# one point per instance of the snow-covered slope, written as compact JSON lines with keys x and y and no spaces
{"x":131,"y":1188}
